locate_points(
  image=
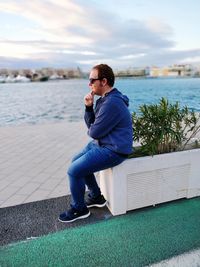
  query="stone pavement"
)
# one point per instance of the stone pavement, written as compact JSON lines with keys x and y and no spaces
{"x":34,"y":160}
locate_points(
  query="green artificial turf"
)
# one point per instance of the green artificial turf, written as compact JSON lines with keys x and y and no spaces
{"x":139,"y":238}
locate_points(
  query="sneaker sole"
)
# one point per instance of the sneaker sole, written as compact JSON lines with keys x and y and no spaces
{"x":78,"y":218}
{"x":97,"y":205}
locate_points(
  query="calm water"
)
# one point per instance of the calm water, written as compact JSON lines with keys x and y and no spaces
{"x":32,"y":103}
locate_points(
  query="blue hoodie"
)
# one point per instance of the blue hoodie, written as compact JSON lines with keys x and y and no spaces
{"x":110,"y":123}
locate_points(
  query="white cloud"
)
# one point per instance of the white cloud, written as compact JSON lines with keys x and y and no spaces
{"x":191,"y":60}
{"x":19,"y":51}
{"x":157,"y":25}
{"x":133,"y":56}
{"x":71,"y":52}
{"x":78,"y":32}
{"x":53,"y":21}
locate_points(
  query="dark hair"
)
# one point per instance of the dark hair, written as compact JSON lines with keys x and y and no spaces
{"x":104,"y":71}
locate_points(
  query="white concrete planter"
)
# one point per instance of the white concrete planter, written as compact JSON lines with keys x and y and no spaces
{"x":141,"y":182}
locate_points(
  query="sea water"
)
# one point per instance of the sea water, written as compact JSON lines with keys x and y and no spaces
{"x":43,"y":102}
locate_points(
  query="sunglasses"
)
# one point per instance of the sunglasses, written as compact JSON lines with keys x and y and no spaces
{"x":92,"y":80}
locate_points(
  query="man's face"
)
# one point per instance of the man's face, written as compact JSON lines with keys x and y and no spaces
{"x":95,"y":84}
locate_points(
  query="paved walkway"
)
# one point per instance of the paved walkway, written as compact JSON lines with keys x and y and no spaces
{"x":34,"y":160}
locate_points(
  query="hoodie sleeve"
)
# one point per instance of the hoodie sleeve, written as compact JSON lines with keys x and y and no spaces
{"x":89,"y":116}
{"x":107,"y":118}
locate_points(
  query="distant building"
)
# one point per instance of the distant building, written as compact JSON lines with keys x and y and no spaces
{"x":172,"y":71}
{"x":131,"y":72}
{"x":4,"y":72}
{"x":197,"y":71}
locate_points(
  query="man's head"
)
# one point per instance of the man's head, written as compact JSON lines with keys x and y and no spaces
{"x":101,"y":79}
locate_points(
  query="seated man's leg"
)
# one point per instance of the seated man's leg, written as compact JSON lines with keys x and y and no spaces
{"x":96,"y":159}
{"x":94,"y":198}
{"x":82,"y":169}
{"x":83,"y":151}
{"x":90,"y":181}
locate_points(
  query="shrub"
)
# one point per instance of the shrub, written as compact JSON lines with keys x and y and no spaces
{"x":163,"y":128}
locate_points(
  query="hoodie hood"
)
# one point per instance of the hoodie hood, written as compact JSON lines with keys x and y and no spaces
{"x":114,"y":92}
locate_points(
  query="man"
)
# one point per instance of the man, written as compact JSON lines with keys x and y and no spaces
{"x":110,"y":126}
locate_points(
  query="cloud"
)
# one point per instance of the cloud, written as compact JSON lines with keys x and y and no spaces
{"x":170,"y":57}
{"x":64,"y":32}
{"x":158,"y":26}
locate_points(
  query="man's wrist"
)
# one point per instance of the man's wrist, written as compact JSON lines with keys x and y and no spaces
{"x":89,"y":108}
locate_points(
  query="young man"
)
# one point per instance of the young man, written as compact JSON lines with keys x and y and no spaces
{"x":110,"y":126}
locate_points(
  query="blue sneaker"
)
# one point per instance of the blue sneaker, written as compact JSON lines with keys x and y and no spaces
{"x":73,"y":214}
{"x":98,"y":202}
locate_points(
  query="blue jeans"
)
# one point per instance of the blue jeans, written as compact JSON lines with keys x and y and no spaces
{"x":93,"y":158}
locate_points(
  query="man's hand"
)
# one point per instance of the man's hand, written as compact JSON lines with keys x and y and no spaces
{"x":89,"y":99}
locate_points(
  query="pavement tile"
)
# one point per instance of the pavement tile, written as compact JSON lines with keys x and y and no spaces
{"x":60,"y":190}
{"x":8,"y":192}
{"x":59,"y":176}
{"x":7,"y":170}
{"x":38,"y":159}
{"x":20,"y":182}
{"x":2,"y":177}
{"x":64,"y":181}
{"x":19,"y":199}
{"x":3,"y":184}
{"x":2,"y":160}
{"x":29,"y":188}
{"x":41,"y":177}
{"x":39,"y":194}
{"x":49,"y":184}
{"x":52,"y":169}
{"x":14,"y":175}
{"x":45,"y":164}
{"x":34,"y":172}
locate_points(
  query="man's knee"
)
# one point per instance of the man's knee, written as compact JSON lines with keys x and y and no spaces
{"x":72,"y":171}
{"x":75,"y":157}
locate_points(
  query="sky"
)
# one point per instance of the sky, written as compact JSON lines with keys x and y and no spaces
{"x":80,"y":33}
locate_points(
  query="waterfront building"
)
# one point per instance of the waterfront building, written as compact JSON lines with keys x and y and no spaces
{"x":173,"y":71}
{"x":131,"y":72}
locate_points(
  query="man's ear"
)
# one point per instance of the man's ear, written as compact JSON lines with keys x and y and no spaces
{"x":104,"y":81}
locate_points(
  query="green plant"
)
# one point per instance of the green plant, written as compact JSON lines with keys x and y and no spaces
{"x":163,"y":128}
